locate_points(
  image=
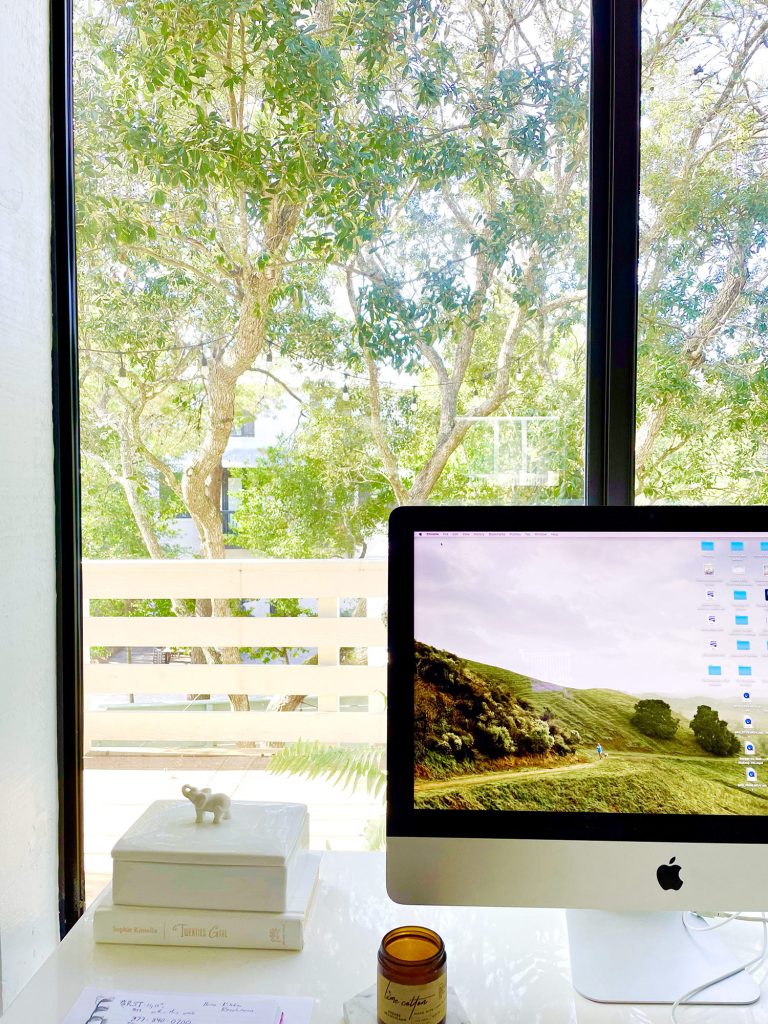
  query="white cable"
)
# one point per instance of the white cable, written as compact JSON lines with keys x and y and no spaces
{"x":726,"y":919}
{"x":754,"y":962}
{"x":729,"y":917}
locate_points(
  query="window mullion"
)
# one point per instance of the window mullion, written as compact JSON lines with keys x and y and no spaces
{"x":66,"y":441}
{"x":613,"y":240}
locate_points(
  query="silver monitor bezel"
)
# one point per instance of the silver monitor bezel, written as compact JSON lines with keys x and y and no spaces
{"x":570,"y":859}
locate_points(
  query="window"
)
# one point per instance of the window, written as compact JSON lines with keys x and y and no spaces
{"x":703,"y":270}
{"x":330,"y":262}
{"x":368,"y":232}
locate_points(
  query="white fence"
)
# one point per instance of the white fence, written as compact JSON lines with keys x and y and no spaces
{"x":325,"y":581}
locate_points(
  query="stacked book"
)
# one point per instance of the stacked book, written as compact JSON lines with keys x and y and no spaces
{"x":245,"y":882}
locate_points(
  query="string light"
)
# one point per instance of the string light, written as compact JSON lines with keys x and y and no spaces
{"x":122,"y":372}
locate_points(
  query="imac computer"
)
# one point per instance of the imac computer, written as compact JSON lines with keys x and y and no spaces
{"x":578,"y":718}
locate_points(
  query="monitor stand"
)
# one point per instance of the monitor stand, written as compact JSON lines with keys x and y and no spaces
{"x":651,"y":958}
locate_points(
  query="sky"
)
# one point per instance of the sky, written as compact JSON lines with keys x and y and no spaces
{"x":626,"y":613}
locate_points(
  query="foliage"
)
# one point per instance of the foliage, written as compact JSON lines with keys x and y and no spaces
{"x":237,"y":167}
{"x":346,"y":766}
{"x":464,"y":717}
{"x":323,"y":485}
{"x":654,"y":717}
{"x":712,"y":733}
{"x":379,"y":189}
{"x":595,"y":714}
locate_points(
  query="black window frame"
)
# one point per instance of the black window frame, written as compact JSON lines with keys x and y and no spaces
{"x":611,"y":355}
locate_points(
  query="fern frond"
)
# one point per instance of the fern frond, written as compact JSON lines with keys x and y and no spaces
{"x":343,"y":766}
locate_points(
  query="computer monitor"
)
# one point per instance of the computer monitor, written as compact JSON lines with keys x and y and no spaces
{"x":578,"y":716}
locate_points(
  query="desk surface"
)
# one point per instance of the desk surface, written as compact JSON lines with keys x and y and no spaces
{"x":507,"y":965}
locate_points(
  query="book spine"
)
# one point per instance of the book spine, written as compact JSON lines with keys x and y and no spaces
{"x":196,"y":928}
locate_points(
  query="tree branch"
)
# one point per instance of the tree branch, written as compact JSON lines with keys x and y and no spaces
{"x":172,"y":261}
{"x":276,"y":379}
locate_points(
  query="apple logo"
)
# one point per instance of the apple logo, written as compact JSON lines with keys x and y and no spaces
{"x":669,"y":875}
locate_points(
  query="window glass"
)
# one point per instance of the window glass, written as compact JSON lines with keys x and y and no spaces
{"x":332,"y":259}
{"x":703,"y":313}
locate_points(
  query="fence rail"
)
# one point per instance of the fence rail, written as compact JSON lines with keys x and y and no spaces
{"x":326,"y":581}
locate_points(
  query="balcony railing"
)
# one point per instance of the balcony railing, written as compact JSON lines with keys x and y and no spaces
{"x":325,"y":582}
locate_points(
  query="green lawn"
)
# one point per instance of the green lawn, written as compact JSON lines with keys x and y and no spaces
{"x":639,"y":783}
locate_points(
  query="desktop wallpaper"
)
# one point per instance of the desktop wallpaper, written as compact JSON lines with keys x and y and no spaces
{"x":614,"y":673}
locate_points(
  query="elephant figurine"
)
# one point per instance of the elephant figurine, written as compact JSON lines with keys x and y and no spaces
{"x":217,"y":804}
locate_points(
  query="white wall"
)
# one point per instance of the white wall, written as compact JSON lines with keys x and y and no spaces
{"x":28,"y":820}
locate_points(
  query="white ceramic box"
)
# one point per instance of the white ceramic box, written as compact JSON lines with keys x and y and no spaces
{"x":165,"y":859}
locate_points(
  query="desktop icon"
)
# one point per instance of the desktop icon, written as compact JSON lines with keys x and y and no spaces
{"x":741,"y":595}
{"x":751,"y":775}
{"x":742,"y":620}
{"x":712,"y":619}
{"x":746,"y":696}
{"x":738,"y":569}
{"x":737,"y":545}
{"x":709,"y":570}
{"x":710,"y":595}
{"x":713,"y":644}
{"x":742,"y":645}
{"x":668,"y":875}
{"x":764,"y":545}
{"x":714,"y":670}
{"x":749,"y":748}
{"x":745,"y":670}
{"x":747,"y":721}
{"x":709,"y":545}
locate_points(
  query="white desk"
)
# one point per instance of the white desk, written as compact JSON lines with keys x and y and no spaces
{"x":507,"y":965}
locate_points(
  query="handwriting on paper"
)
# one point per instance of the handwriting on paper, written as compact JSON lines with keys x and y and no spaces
{"x":97,"y":1006}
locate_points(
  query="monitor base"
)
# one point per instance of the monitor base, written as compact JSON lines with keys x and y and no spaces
{"x":651,"y":958}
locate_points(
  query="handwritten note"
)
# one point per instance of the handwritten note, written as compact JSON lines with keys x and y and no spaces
{"x":101,"y":1006}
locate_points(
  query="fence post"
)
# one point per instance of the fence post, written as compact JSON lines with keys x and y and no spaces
{"x":328,"y":608}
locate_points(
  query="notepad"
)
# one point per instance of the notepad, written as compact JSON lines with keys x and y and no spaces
{"x":118,"y":1006}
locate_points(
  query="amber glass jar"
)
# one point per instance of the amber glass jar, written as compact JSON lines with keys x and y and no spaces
{"x":412,"y":982}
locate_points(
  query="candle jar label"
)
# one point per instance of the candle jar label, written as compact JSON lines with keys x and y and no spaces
{"x":412,"y":1004}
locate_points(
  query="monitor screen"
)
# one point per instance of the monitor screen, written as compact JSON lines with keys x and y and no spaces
{"x":601,"y":672}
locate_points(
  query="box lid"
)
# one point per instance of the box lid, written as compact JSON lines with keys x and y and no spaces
{"x":258,"y":834}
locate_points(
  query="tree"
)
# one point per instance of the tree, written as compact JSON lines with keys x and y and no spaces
{"x":231,"y":155}
{"x":712,"y":733}
{"x":241,"y":170}
{"x":471,"y":271}
{"x":654,"y":718}
{"x":221,"y":149}
{"x":703,"y":269}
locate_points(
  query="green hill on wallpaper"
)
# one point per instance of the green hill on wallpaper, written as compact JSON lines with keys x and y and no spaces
{"x":599,"y":715}
{"x":488,"y":738}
